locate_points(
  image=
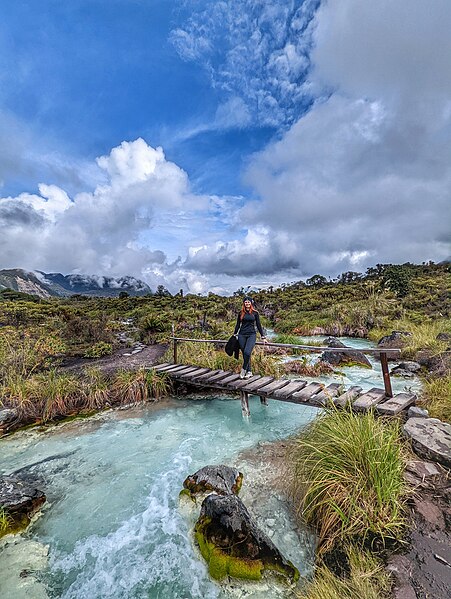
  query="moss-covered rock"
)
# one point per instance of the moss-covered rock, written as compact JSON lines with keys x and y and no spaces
{"x":232,"y":544}
{"x":19,"y":500}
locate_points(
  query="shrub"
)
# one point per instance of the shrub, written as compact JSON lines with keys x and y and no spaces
{"x":96,"y":389}
{"x":347,"y":478}
{"x":98,"y":350}
{"x":135,"y":386}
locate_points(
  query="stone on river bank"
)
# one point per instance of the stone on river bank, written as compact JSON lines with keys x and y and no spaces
{"x":219,"y":479}
{"x":20,"y":499}
{"x":431,"y":439}
{"x":337,"y":358}
{"x":233,"y":545}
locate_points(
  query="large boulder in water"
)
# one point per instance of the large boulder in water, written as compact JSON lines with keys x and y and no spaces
{"x":219,"y":479}
{"x":395,"y":340}
{"x":335,"y":357}
{"x":233,"y":545}
{"x":20,"y":499}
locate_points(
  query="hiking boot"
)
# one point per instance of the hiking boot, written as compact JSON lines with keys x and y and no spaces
{"x":248,"y":374}
{"x":242,"y":373}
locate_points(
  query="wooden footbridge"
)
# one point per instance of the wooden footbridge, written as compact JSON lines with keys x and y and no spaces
{"x":293,"y":390}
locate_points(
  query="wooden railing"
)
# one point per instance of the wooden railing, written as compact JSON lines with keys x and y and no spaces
{"x":382,"y":353}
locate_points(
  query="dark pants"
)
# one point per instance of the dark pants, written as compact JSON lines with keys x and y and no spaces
{"x":247,"y":343}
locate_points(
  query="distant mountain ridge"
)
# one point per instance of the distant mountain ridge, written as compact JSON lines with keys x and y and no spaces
{"x":58,"y":285}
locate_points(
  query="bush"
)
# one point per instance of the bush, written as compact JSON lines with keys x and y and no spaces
{"x":347,"y":478}
{"x":98,"y":350}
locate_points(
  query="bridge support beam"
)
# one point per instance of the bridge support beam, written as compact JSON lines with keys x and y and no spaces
{"x":245,"y":404}
{"x":263,"y":400}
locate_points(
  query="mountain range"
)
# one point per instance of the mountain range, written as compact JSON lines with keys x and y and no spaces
{"x":58,"y":285}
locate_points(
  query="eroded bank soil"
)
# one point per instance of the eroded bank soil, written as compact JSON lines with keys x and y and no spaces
{"x":423,"y":571}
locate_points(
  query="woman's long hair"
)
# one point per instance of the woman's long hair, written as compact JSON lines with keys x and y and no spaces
{"x":243,"y":310}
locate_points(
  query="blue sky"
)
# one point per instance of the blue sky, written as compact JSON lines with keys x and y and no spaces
{"x":296,"y":137}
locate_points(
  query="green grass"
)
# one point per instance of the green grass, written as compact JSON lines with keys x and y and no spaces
{"x":137,"y":386}
{"x":347,"y":478}
{"x":423,"y":335}
{"x":436,"y":397}
{"x":5,"y":522}
{"x":367,"y":580}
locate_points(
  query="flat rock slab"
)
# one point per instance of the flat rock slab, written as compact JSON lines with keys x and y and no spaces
{"x":369,"y":399}
{"x":396,"y":404}
{"x":431,"y":439}
{"x":348,"y":397}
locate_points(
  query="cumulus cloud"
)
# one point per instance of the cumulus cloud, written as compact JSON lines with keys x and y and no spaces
{"x":98,"y":231}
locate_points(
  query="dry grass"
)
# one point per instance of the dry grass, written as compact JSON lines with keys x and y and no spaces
{"x":436,"y":397}
{"x":347,"y":478}
{"x":367,"y":580}
{"x":137,"y":386}
{"x":303,"y":368}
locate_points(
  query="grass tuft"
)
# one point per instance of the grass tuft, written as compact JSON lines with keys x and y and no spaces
{"x":347,"y":478}
{"x":367,"y":580}
{"x":436,"y":397}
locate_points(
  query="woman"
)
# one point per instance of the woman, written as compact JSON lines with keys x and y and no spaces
{"x":247,"y":324}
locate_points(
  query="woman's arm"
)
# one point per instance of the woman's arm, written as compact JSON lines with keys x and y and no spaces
{"x":259,"y":326}
{"x":238,"y":324}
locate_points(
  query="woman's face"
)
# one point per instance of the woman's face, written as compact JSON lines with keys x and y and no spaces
{"x":247,"y":304}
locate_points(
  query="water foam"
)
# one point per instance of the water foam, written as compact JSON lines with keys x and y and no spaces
{"x":148,"y":555}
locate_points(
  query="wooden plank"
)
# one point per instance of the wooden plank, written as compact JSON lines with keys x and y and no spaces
{"x":176,"y":368}
{"x":216,"y":378}
{"x":291,"y":388}
{"x":167,"y":367}
{"x":177,"y":373}
{"x":326,"y":395}
{"x":203,"y":377}
{"x":348,"y":397}
{"x":229,"y":379}
{"x":243,"y":382}
{"x":396,"y":404}
{"x":306,"y":393}
{"x":161,"y":366}
{"x":262,"y":381}
{"x":272,"y":387}
{"x":192,"y":376}
{"x":369,"y":399}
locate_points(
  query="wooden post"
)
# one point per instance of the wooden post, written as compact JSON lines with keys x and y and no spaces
{"x":386,"y":374}
{"x":174,"y":341}
{"x":245,"y":404}
{"x":263,"y":400}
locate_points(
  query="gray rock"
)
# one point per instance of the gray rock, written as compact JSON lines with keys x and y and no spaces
{"x":395,"y":340}
{"x":19,"y":497}
{"x":7,"y":415}
{"x":416,"y":412}
{"x":409,"y":365}
{"x":337,"y":358}
{"x":406,"y":374}
{"x":214,"y":479}
{"x":424,"y":472}
{"x":431,"y":439}
{"x":241,"y":549}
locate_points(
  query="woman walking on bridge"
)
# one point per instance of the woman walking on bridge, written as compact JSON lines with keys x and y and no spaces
{"x":247,"y":324}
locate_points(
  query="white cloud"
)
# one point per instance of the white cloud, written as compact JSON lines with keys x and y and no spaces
{"x":255,"y":51}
